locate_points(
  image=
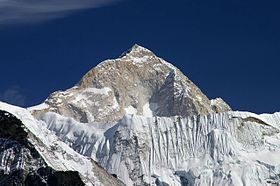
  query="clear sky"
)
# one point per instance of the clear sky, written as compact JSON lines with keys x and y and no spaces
{"x":229,"y":48}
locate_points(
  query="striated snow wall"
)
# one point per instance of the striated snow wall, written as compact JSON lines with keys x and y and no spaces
{"x":232,"y":148}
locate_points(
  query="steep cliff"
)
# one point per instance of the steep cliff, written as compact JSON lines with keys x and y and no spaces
{"x":138,"y":82}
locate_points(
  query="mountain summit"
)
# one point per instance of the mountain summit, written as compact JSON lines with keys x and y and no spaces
{"x":137,"y":120}
{"x":138,"y":82}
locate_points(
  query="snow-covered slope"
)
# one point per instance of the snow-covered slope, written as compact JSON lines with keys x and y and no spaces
{"x":54,"y":152}
{"x":232,"y":148}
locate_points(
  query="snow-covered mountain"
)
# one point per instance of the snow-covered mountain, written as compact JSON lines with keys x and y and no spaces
{"x":140,"y":119}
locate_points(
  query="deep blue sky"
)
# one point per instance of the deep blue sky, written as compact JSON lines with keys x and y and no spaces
{"x":230,"y":49}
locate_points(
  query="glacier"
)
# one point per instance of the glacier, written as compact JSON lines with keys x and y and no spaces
{"x":231,"y":148}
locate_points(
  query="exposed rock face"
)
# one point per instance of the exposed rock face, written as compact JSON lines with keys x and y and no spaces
{"x":21,"y":164}
{"x":139,"y":83}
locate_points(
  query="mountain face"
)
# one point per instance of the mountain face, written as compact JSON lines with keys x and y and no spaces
{"x":137,"y":120}
{"x":138,"y":83}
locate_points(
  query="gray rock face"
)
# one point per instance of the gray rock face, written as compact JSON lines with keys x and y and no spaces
{"x":139,"y":83}
{"x":21,"y":164}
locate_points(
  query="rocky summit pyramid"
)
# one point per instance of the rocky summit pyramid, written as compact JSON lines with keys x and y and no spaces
{"x":138,"y":82}
{"x":138,"y":121}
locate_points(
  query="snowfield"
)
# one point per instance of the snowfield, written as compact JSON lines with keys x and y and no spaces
{"x":232,"y":148}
